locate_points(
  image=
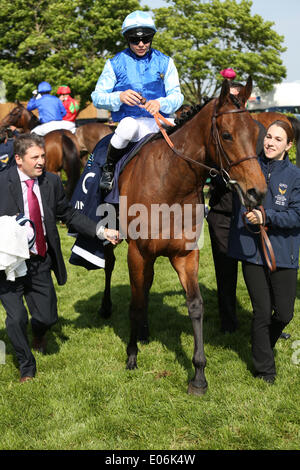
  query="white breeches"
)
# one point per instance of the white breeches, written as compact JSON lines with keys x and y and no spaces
{"x":132,"y":130}
{"x":43,"y":129}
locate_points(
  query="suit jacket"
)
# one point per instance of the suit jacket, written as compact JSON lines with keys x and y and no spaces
{"x":56,"y":207}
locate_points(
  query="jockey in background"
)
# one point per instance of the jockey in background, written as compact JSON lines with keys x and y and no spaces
{"x":71,"y":106}
{"x":51,"y":110}
{"x":136,"y":72}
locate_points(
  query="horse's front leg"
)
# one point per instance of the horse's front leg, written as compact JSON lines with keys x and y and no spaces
{"x":187,"y":270}
{"x":141,"y":276}
{"x":106,"y":304}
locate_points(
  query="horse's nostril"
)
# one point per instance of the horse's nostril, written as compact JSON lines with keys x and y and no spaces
{"x":256,"y":197}
{"x":252,"y":192}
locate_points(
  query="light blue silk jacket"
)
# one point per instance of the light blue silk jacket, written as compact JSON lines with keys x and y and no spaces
{"x":154,"y":76}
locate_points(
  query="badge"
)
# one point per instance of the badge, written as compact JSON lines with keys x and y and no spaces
{"x":280,"y":198}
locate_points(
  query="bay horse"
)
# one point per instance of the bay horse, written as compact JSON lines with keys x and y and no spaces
{"x":62,"y":153}
{"x":222,"y":135}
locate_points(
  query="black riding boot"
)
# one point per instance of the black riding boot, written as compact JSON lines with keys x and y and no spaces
{"x":107,"y":178}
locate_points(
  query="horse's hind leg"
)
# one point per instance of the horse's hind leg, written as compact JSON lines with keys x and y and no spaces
{"x":106,"y":305}
{"x":141,"y":276}
{"x":187,"y":270}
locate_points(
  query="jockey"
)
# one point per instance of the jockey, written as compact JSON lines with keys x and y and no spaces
{"x":50,"y":108}
{"x":71,"y":106}
{"x":136,"y":72}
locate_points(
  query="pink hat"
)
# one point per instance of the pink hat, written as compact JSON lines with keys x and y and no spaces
{"x":228,"y":73}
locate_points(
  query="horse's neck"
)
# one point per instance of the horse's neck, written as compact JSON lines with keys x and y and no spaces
{"x":26,"y":120}
{"x":192,"y":140}
{"x":181,"y":179}
{"x":30,"y":121}
{"x":5,"y":122}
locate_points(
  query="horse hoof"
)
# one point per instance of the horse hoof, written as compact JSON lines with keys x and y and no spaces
{"x":198,"y":391}
{"x":131,"y":364}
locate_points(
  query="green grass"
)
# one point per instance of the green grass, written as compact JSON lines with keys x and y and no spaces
{"x":83,"y":398}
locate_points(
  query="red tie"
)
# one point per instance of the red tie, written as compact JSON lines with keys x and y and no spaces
{"x":35,"y":216}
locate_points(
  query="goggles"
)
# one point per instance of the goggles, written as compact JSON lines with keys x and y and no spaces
{"x":136,"y":40}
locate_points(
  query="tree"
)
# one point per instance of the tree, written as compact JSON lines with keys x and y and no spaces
{"x":205,"y":37}
{"x":60,"y":41}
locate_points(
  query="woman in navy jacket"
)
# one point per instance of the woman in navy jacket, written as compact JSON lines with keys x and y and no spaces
{"x":272,"y":294}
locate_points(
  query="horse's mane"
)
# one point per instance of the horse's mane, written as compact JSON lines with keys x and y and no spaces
{"x":195,"y":109}
{"x":188,"y":115}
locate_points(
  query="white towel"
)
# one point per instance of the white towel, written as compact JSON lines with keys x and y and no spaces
{"x":13,"y":248}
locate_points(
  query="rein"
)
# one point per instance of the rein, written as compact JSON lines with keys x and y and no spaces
{"x":158,"y":117}
{"x":265,"y":241}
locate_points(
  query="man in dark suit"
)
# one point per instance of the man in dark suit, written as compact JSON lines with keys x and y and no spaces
{"x":26,"y":188}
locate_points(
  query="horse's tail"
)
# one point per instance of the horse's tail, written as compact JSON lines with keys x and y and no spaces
{"x":71,"y":163}
{"x":296,"y":128}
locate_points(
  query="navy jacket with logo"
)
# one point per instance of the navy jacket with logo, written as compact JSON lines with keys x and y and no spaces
{"x":282,"y":208}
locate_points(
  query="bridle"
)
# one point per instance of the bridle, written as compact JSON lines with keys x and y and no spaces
{"x":224,"y":172}
{"x":219,"y":148}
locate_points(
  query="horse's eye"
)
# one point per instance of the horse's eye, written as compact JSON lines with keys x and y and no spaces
{"x":226,"y":136}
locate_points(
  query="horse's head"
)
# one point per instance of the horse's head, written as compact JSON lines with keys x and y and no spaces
{"x":233,"y":146}
{"x":11,"y":119}
{"x":21,"y":118}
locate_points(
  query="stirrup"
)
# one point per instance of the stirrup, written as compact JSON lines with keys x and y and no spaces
{"x":107,"y":180}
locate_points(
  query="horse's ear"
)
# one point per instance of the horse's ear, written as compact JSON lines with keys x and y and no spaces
{"x":225,"y":90}
{"x":246,"y":91}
